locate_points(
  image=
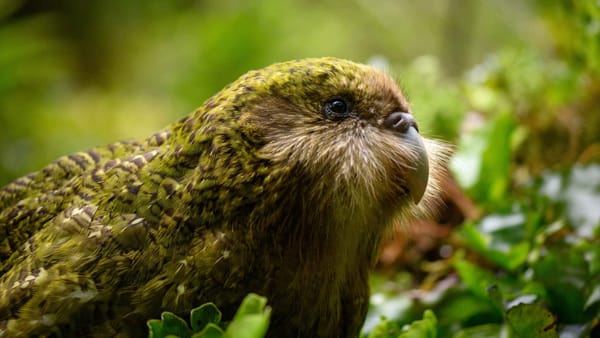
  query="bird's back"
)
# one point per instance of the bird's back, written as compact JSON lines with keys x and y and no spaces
{"x":72,"y":233}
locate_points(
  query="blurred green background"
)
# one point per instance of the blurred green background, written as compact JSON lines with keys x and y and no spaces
{"x":76,"y":74}
{"x":514,"y":85}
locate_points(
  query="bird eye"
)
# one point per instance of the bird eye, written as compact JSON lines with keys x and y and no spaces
{"x":336,"y":108}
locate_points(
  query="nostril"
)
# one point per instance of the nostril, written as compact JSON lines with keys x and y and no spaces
{"x":400,"y":121}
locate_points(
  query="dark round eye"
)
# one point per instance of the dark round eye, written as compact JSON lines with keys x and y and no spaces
{"x":336,"y":108}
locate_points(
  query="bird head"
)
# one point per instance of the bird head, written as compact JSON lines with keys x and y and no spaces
{"x":344,"y":124}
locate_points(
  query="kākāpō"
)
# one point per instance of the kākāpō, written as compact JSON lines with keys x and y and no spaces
{"x":283,"y":184}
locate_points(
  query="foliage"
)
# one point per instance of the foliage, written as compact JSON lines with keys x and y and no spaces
{"x":424,"y":328}
{"x":534,"y":269}
{"x":528,"y":157}
{"x":576,"y":28}
{"x":250,"y":321}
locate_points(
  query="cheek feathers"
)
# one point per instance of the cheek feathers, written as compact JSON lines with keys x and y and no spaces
{"x":361,"y":157}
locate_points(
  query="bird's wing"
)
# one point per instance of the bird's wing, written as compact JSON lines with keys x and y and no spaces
{"x":29,"y":202}
{"x":71,"y":268}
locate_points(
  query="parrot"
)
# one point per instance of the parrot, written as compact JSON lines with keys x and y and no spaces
{"x":283,"y":184}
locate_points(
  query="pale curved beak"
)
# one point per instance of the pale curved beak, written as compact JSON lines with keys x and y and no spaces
{"x":417,"y":175}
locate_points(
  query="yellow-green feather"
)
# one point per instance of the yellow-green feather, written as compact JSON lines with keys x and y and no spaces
{"x":221,"y":203}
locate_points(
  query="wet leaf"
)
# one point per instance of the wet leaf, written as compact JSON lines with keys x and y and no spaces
{"x":564,"y":274}
{"x":531,"y":321}
{"x":481,"y":331}
{"x":424,"y":328}
{"x":500,"y":238}
{"x":385,"y":329}
{"x":251,"y":320}
{"x":201,"y":316}
{"x":169,"y":325}
{"x":210,"y":331}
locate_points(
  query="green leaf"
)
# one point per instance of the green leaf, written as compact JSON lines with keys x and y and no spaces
{"x":169,"y":325}
{"x":385,"y":329}
{"x":481,"y":331}
{"x":155,"y":328}
{"x":477,"y":279}
{"x":531,"y":321}
{"x":252,"y":304}
{"x":211,"y":330}
{"x":564,"y":273}
{"x":424,"y":328}
{"x":203,"y":315}
{"x":496,"y":297}
{"x":593,"y":298}
{"x":500,"y":238}
{"x":251,"y":320}
{"x":496,"y":162}
{"x":466,"y":309}
{"x":483,"y":162}
{"x":592,"y":256}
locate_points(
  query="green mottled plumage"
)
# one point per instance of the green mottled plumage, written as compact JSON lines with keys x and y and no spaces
{"x":256,"y":191}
